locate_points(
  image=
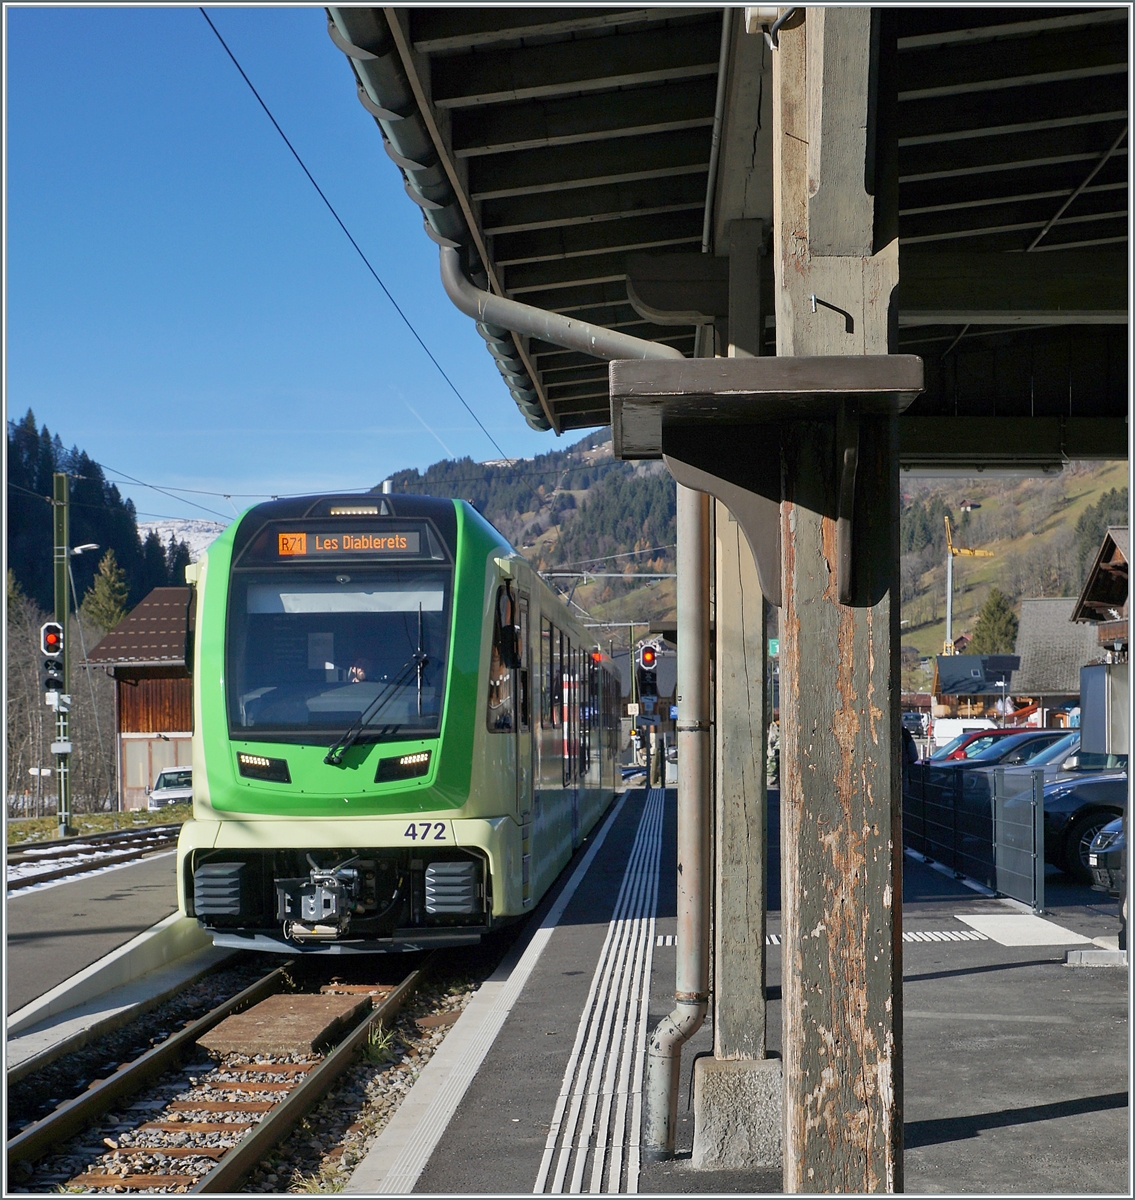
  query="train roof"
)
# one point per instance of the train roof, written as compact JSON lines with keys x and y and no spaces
{"x":439,"y":510}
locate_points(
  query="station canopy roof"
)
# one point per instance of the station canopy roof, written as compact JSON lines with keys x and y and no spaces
{"x":554,"y":145}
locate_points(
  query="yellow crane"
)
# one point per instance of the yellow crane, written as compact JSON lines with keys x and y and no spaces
{"x":953,"y":552}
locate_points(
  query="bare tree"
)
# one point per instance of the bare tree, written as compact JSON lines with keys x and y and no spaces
{"x":29,"y":730}
{"x":94,"y":759}
{"x":31,"y":724}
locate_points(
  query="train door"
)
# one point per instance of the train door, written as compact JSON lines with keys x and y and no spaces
{"x":523,"y":711}
{"x":524,"y":748}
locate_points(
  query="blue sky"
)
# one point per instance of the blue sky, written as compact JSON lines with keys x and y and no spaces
{"x":181,"y":305}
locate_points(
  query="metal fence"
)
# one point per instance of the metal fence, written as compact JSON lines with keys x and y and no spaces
{"x":987,"y":825}
{"x":1018,"y":834}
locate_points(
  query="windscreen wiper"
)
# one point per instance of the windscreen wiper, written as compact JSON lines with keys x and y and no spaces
{"x":420,"y":658}
{"x":414,"y":663}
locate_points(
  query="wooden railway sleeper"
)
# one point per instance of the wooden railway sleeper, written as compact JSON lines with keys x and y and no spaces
{"x":234,"y":1168}
{"x":71,"y":1117}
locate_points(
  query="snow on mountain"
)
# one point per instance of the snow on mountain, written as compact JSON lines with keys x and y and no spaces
{"x":198,"y":534}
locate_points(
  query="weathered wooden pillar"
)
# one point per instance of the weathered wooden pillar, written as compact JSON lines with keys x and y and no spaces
{"x":836,"y":263}
{"x":737,"y":1102}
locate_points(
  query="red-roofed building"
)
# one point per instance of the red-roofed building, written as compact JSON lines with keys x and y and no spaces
{"x":145,"y":653}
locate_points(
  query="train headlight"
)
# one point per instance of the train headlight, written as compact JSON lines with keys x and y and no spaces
{"x":256,"y":766}
{"x":403,"y":766}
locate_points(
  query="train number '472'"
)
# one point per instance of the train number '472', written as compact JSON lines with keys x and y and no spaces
{"x":426,"y":831}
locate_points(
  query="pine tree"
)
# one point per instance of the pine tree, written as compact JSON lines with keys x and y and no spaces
{"x":177,"y":559}
{"x":155,"y":573}
{"x":105,"y":603}
{"x":996,"y":628}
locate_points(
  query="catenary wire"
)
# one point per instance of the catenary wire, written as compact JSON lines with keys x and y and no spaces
{"x":358,"y":250}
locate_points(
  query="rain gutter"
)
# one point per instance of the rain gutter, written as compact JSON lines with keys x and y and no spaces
{"x":718,"y":118}
{"x":386,"y":91}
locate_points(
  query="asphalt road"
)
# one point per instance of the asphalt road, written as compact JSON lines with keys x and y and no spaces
{"x":54,"y":932}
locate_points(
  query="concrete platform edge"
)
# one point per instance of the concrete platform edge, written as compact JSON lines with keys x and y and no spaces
{"x":161,"y":944}
{"x":400,"y":1152}
{"x":72,"y":1029}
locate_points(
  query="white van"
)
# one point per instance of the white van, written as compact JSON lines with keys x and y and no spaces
{"x":947,"y":728}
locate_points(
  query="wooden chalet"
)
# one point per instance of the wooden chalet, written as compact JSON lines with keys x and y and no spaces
{"x":970,"y":685}
{"x":1103,"y":602}
{"x":146,"y":655}
{"x":1052,"y":651}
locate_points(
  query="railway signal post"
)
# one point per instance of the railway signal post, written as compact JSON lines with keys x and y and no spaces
{"x":57,"y":684}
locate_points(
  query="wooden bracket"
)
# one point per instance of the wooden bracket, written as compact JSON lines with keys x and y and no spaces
{"x":717,"y":422}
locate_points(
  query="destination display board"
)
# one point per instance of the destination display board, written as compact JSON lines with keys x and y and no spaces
{"x":308,"y":543}
{"x":337,"y":542}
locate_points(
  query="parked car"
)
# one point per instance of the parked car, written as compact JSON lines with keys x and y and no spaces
{"x":998,"y":747}
{"x":1105,"y":859}
{"x":915,"y":722}
{"x":174,"y":785}
{"x":1076,"y":809}
{"x":1020,"y":748}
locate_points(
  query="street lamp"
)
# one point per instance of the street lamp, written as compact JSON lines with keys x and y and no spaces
{"x":77,"y":550}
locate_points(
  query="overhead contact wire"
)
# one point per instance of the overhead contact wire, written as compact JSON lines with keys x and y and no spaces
{"x":347,"y":232}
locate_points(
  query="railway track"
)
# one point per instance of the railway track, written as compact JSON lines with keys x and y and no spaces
{"x":213,"y":1132}
{"x":97,"y":850}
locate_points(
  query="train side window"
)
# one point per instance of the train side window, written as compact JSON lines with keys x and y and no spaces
{"x":500,"y":714}
{"x":524,"y":703}
{"x":548,"y":716}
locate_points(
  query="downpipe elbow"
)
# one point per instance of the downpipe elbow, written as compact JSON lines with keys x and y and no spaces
{"x":663,"y":1068}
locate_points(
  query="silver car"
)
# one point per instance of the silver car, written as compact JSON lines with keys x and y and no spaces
{"x":174,"y":785}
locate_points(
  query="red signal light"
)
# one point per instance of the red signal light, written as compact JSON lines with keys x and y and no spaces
{"x":648,"y":657}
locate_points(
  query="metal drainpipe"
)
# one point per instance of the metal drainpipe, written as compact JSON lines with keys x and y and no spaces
{"x":718,"y":117}
{"x":538,"y":322}
{"x":663,"y":1061}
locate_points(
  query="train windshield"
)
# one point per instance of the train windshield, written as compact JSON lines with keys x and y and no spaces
{"x":311,"y":652}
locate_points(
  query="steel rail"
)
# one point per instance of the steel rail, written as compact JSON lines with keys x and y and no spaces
{"x":243,"y":1158}
{"x":71,"y":1117}
{"x":92,"y":864}
{"x":60,"y":845}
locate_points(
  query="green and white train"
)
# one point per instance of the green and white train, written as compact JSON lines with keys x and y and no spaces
{"x":400,"y":736}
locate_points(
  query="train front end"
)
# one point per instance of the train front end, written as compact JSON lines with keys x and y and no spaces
{"x":338,"y":806}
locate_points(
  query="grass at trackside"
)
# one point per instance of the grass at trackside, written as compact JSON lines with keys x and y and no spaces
{"x":42,"y":829}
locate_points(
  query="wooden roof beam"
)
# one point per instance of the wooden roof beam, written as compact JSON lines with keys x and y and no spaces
{"x":582,"y":65}
{"x":973,"y":34}
{"x":575,"y":240}
{"x":992,"y":65}
{"x":580,"y":206}
{"x":565,"y":272}
{"x":653,"y":156}
{"x":443,"y":29}
{"x":499,"y":128}
{"x":959,"y":288}
{"x":964,"y":116}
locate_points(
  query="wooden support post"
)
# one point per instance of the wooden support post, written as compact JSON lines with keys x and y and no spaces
{"x":742,"y":663}
{"x":737,"y":1101}
{"x":836,"y":264}
{"x":739,"y":932}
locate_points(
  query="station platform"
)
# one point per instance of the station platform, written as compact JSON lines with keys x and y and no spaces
{"x":1015,"y":1063}
{"x":56,"y":930}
